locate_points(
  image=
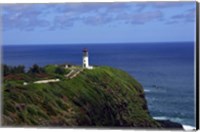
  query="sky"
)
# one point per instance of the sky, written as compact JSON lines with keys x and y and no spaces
{"x":75,"y":23}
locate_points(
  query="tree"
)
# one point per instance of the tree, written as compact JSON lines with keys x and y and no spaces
{"x":13,"y":70}
{"x":6,"y":70}
{"x":19,"y":69}
{"x":36,"y":69}
{"x":60,"y":70}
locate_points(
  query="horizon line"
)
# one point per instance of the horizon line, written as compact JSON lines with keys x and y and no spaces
{"x":103,"y":43}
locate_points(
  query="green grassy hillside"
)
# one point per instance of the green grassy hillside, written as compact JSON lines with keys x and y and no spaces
{"x":103,"y":96}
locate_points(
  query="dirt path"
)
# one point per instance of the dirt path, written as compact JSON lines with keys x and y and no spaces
{"x":73,"y":73}
{"x":47,"y":81}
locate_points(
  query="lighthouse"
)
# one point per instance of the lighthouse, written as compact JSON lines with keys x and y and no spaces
{"x":86,"y":59}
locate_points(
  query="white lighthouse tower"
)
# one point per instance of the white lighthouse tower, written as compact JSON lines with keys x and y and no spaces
{"x":86,"y":59}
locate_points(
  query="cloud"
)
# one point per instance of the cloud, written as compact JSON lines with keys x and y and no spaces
{"x":187,"y":16}
{"x":141,"y":18}
{"x":90,"y":14}
{"x":91,"y":7}
{"x":160,"y":5}
{"x":52,"y":16}
{"x":168,"y":4}
{"x":102,"y":14}
{"x":171,"y":22}
{"x":29,"y":17}
{"x":63,"y":21}
{"x":23,"y":17}
{"x":97,"y":20}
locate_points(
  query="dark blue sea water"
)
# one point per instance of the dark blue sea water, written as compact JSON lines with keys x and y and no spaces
{"x":166,"y":70}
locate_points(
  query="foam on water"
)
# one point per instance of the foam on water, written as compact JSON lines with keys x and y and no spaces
{"x":185,"y":127}
{"x":160,"y":118}
{"x":188,"y":127}
{"x":175,"y":119}
{"x":147,"y":90}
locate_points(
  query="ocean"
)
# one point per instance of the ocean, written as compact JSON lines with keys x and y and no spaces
{"x":165,"y":70}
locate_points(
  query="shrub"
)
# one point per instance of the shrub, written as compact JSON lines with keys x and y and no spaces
{"x":36,"y":69}
{"x":13,"y":69}
{"x":60,"y":70}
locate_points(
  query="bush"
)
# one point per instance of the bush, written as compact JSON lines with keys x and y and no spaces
{"x":60,"y":70}
{"x":13,"y":70}
{"x":36,"y":69}
{"x":50,"y":69}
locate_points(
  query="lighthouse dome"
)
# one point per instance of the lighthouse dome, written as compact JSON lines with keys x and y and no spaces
{"x":85,"y":50}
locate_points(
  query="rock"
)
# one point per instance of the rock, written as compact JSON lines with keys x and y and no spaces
{"x":169,"y":124}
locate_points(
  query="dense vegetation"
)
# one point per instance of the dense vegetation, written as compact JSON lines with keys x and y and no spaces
{"x":100,"y":97}
{"x":33,"y":70}
{"x":13,"y":69}
{"x":13,"y":74}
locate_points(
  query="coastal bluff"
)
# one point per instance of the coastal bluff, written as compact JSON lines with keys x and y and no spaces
{"x":101,"y":97}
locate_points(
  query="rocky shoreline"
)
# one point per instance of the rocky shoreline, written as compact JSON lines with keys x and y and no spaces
{"x":169,"y":124}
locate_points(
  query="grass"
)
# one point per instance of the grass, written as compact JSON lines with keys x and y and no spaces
{"x":103,"y":96}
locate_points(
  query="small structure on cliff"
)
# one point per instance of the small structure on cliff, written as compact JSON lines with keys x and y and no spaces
{"x":86,"y":60}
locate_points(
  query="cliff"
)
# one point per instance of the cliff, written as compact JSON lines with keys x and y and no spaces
{"x":103,"y":96}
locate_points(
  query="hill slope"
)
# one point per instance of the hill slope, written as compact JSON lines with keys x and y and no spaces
{"x":103,"y":96}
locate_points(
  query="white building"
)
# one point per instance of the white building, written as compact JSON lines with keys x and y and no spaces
{"x":66,"y":66}
{"x":86,"y":60}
